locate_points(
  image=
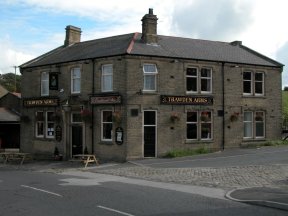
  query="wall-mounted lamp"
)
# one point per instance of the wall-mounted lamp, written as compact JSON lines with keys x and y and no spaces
{"x":66,"y":107}
{"x":139,"y":92}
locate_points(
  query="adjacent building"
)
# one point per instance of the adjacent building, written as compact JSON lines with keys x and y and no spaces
{"x":143,"y":94}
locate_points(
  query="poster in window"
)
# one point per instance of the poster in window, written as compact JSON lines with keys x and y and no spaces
{"x":53,"y":81}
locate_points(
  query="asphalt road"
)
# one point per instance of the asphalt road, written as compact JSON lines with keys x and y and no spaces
{"x":227,"y":158}
{"x":26,"y":193}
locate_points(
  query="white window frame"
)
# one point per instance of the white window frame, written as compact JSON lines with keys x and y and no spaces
{"x":102,"y":126}
{"x":44,"y":84}
{"x":49,"y":129}
{"x":253,"y":82}
{"x":256,"y":81}
{"x":200,"y":124}
{"x":40,"y":122}
{"x":250,"y":121}
{"x":194,"y":77}
{"x":199,"y":79}
{"x":107,"y":75}
{"x":150,"y":73}
{"x":208,"y":79}
{"x":75,"y":80}
{"x":253,"y":123}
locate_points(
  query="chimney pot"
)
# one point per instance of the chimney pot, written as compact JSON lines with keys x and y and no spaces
{"x":151,"y":11}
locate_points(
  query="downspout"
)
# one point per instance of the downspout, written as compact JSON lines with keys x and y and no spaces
{"x":93,"y":91}
{"x":223,"y":105}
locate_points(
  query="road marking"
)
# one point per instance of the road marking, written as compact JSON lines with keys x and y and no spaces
{"x":45,"y":191}
{"x":114,"y":210}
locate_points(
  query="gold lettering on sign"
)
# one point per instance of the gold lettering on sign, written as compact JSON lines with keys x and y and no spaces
{"x":186,"y":100}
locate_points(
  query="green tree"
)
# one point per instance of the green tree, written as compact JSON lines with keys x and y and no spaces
{"x":8,"y":82}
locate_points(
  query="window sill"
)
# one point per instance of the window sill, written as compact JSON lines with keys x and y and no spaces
{"x":106,"y":143}
{"x":198,"y":141}
{"x":254,"y":96}
{"x":149,"y":92}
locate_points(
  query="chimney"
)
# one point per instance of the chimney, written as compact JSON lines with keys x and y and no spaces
{"x":149,"y":28}
{"x":73,"y":35}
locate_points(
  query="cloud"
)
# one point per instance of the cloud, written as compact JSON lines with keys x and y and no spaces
{"x":214,"y":20}
{"x":281,"y":55}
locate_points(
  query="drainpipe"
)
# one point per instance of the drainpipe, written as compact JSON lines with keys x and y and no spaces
{"x":223,"y":105}
{"x":93,"y":91}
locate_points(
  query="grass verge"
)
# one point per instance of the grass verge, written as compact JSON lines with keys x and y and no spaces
{"x":186,"y":152}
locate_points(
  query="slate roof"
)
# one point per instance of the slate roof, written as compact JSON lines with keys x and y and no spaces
{"x":8,"y":116}
{"x":171,"y":47}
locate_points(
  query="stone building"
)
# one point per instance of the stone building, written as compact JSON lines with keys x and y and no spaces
{"x":143,"y":94}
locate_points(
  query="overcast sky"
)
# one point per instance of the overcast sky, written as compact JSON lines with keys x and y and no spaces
{"x":29,"y":28}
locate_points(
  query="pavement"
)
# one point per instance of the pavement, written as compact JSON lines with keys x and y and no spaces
{"x":265,"y":185}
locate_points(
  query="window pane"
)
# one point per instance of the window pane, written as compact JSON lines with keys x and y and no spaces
{"x":107,"y":116}
{"x":247,"y":87}
{"x":191,"y":131}
{"x":191,"y":84}
{"x":192,"y":117}
{"x":247,"y":116}
{"x":206,"y":85}
{"x":247,"y":76}
{"x":50,"y":116}
{"x":205,"y":72}
{"x":259,"y":129}
{"x":149,"y":82}
{"x":206,"y":131}
{"x":40,"y":129}
{"x":107,"y":83}
{"x":205,"y":116}
{"x":258,"y":87}
{"x":149,"y":118}
{"x":191,"y":72}
{"x":248,"y":129}
{"x":76,"y":80}
{"x":149,"y":68}
{"x":107,"y":69}
{"x":107,"y":131}
{"x":258,"y":76}
{"x":50,"y":129}
{"x":44,"y":84}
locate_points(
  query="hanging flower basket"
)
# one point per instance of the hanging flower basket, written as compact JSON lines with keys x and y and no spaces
{"x":86,"y":115}
{"x":116,"y":117}
{"x":174,"y":117}
{"x":204,"y":117}
{"x":234,"y":117}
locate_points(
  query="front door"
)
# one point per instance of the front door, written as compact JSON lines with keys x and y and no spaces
{"x":150,"y":133}
{"x":77,"y":139}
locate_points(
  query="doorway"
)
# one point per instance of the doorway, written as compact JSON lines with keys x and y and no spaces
{"x":150,"y":133}
{"x":77,"y":139}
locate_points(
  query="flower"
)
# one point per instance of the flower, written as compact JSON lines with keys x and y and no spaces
{"x":174,"y":117}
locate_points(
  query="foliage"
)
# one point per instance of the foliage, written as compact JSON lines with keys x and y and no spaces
{"x":8,"y":82}
{"x":186,"y":152}
{"x":285,"y":107}
{"x":268,"y":143}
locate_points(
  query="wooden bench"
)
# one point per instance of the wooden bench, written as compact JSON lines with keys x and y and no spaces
{"x":85,"y":158}
{"x":10,"y":156}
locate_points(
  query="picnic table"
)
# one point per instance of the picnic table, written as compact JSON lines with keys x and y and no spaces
{"x":85,"y":158}
{"x":8,"y":156}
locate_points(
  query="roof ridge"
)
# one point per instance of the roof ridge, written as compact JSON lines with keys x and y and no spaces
{"x":130,"y":47}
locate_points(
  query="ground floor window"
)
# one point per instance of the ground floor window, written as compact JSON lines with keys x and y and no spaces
{"x":199,"y":125}
{"x":106,"y":125}
{"x":254,"y":124}
{"x":45,"y":124}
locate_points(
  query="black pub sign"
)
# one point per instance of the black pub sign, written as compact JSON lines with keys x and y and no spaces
{"x":186,"y":100}
{"x":36,"y":102}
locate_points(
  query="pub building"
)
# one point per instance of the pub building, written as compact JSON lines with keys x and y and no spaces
{"x":142,"y":95}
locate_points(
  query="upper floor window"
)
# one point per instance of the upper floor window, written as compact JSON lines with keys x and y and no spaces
{"x":253,"y":83}
{"x":107,"y":78}
{"x":198,"y":82}
{"x":150,"y":77}
{"x":75,"y":80}
{"x":44,"y":84}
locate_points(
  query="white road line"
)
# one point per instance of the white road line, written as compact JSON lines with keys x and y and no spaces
{"x":45,"y":191}
{"x":114,"y":210}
